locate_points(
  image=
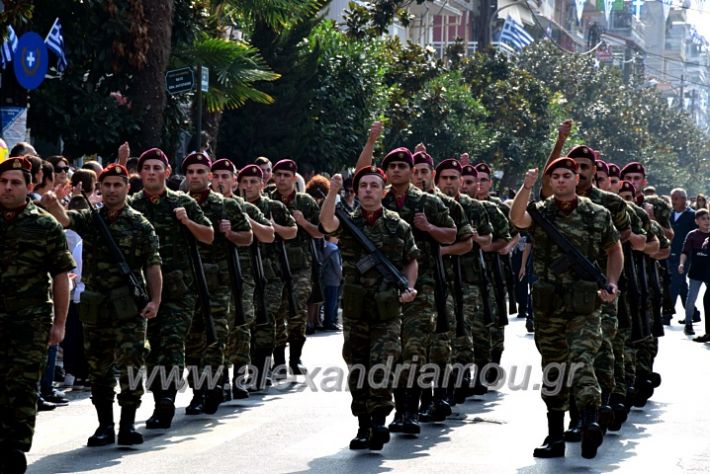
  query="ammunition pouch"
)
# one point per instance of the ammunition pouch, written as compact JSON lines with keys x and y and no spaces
{"x":353,"y":301}
{"x":543,"y":297}
{"x":583,"y":299}
{"x":297,"y":258}
{"x":470,"y":271}
{"x":123,"y":303}
{"x":174,"y":284}
{"x":388,"y":305}
{"x":90,"y":306}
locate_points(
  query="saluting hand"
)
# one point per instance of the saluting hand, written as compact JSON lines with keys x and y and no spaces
{"x":181,"y":215}
{"x":150,"y":311}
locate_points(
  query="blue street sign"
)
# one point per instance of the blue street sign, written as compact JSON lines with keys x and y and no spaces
{"x":30,"y":61}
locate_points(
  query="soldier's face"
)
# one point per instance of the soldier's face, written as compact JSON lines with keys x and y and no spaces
{"x":603,"y":181}
{"x":114,"y":190}
{"x":450,"y":182}
{"x":586,"y":172}
{"x":627,"y":196}
{"x":469,"y":186}
{"x":398,"y":172}
{"x":198,"y":177}
{"x":223,"y":182}
{"x":614,"y":184}
{"x":251,"y":187}
{"x":564,"y":183}
{"x":484,"y":184}
{"x":637,"y":179}
{"x":266,"y":169}
{"x":285,"y":181}
{"x":370,"y":192}
{"x":153,"y":174}
{"x":422,"y":176}
{"x":13,"y":189}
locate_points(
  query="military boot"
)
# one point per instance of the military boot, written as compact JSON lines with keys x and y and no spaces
{"x":574,"y":433}
{"x":212,"y":399}
{"x":644,"y":389}
{"x":196,"y":405}
{"x":13,"y":461}
{"x":379,"y":434}
{"x":554,"y":444}
{"x":397,"y":423}
{"x":294,"y":357}
{"x":494,"y":373}
{"x":460,"y":393}
{"x":410,"y":421}
{"x":164,"y":411}
{"x":606,"y":414}
{"x":260,"y":380}
{"x":239,"y":391}
{"x":362,"y":438}
{"x":425,"y":405}
{"x":616,"y":401}
{"x":279,"y":363}
{"x":226,"y":386}
{"x":127,"y":434}
{"x":440,"y":408}
{"x":105,"y":433}
{"x":655,"y":379}
{"x":592,"y":434}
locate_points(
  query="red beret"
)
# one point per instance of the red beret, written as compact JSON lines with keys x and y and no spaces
{"x":627,"y":187}
{"x":398,"y":154}
{"x":195,"y":158}
{"x":582,"y":151}
{"x":366,"y":171}
{"x":483,"y":168}
{"x":423,"y":158}
{"x":114,"y":169}
{"x":223,"y":164}
{"x":16,"y":163}
{"x":286,"y":165}
{"x":450,"y":164}
{"x":614,"y":170}
{"x":469,"y":170}
{"x":250,"y":171}
{"x":602,"y":167}
{"x":633,"y":167}
{"x":564,"y":162}
{"x":153,"y":154}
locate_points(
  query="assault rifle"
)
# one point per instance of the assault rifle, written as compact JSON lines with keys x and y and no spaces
{"x":458,"y":296}
{"x":203,"y":293}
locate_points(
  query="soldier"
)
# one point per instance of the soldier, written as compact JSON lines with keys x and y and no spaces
{"x":251,"y":185}
{"x":567,"y":315}
{"x":224,"y":180}
{"x":372,"y":314}
{"x":114,"y":326}
{"x":34,"y":254}
{"x":265,"y":164}
{"x":205,"y":360}
{"x":291,"y":328}
{"x":176,"y":217}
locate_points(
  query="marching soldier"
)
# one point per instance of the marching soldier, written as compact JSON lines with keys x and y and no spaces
{"x":176,"y":217}
{"x":114,"y":324}
{"x":372,"y":314}
{"x":34,"y":254}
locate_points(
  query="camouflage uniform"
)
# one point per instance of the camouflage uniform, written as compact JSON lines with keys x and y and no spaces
{"x":567,"y":315}
{"x":114,"y":331}
{"x":33,"y":249}
{"x":201,"y":358}
{"x":167,"y":331}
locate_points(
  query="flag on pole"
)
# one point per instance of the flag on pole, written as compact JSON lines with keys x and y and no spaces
{"x":55,"y":43}
{"x":9,"y":46}
{"x":514,"y":34}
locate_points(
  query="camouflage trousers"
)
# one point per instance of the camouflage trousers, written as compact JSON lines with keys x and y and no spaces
{"x":293,"y":327}
{"x":23,"y":355}
{"x":167,"y":333}
{"x":463,"y":346}
{"x":619,"y":347}
{"x":480,"y":332}
{"x":417,"y":328}
{"x":604,"y":361}
{"x":440,"y":347}
{"x":630,"y":352}
{"x":568,"y":344}
{"x":646,"y":352}
{"x":371,"y":348}
{"x":205,"y":363}
{"x":497,"y":333}
{"x":263,"y":333}
{"x":239,"y":344}
{"x":112,"y":345}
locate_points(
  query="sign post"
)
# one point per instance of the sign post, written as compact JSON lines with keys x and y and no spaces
{"x":180,"y":80}
{"x":204,"y":74}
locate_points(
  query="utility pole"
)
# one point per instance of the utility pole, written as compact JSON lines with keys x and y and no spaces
{"x":682,"y":93}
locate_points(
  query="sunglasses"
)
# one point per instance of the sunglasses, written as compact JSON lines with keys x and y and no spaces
{"x":61,"y":169}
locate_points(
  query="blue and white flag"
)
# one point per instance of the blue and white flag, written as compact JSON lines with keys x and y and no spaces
{"x":55,"y":43}
{"x":9,"y":46}
{"x":514,"y":34}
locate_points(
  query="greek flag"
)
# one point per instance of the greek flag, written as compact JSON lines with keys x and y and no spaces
{"x":9,"y":46}
{"x":514,"y":34}
{"x":55,"y":43}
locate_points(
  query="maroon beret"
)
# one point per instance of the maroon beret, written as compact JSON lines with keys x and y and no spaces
{"x":366,"y":171}
{"x":614,"y":170}
{"x":469,"y":170}
{"x":633,"y":167}
{"x":450,"y":164}
{"x":114,"y":169}
{"x":602,"y":167}
{"x":195,"y":158}
{"x":153,"y":154}
{"x":250,"y":171}
{"x":627,"y":187}
{"x":483,"y":168}
{"x":16,"y":163}
{"x":564,"y":162}
{"x":286,"y":165}
{"x":398,"y":154}
{"x":582,"y":151}
{"x":223,"y":164}
{"x":423,"y":158}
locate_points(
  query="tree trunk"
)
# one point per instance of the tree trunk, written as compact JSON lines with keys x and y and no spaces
{"x":148,"y":88}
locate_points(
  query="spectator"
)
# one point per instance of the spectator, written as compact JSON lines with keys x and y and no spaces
{"x":682,"y":221}
{"x":22,"y":149}
{"x":695,"y":249}
{"x":331,"y":276}
{"x":47,"y":181}
{"x":700,"y":202}
{"x":61,"y":169}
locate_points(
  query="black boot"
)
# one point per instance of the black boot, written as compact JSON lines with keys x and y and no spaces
{"x":460,"y":393}
{"x":410,"y":422}
{"x":261,"y":360}
{"x":196,"y":405}
{"x":127,"y":434}
{"x":212,"y":399}
{"x":606,"y":414}
{"x":616,"y":401}
{"x":425,"y":406}
{"x":153,"y":421}
{"x":164,"y":411}
{"x":362,"y":438}
{"x":592,"y":435}
{"x":574,"y":433}
{"x":239,"y":390}
{"x":279,"y":363}
{"x":644,"y":389}
{"x":655,"y":379}
{"x":294,"y":357}
{"x":379,"y":434}
{"x":226,"y":386}
{"x":13,"y":461}
{"x":397,"y":423}
{"x":493,"y":374}
{"x":105,"y":433}
{"x":554,"y":444}
{"x":440,"y":408}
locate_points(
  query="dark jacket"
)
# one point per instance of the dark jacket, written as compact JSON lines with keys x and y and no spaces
{"x":681,"y":226}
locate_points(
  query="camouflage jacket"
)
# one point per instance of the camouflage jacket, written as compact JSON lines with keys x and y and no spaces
{"x":456,"y":211}
{"x":478,"y":217}
{"x":298,"y":249}
{"x":244,"y":255}
{"x":33,"y":250}
{"x":505,"y":209}
{"x":661,"y":210}
{"x":657,"y":230}
{"x":644,"y":220}
{"x":614,"y":204}
{"x":588,"y":227}
{"x":134,"y":236}
{"x":499,"y":223}
{"x":277,"y":211}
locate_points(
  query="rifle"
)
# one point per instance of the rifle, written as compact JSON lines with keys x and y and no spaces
{"x":236,"y":278}
{"x":485,"y":295}
{"x":639,"y":331}
{"x":498,"y":291}
{"x":655,"y":284}
{"x":316,"y":295}
{"x":643,"y":291}
{"x":441,"y":291}
{"x":286,"y":276}
{"x":134,"y":283}
{"x":458,"y":296}
{"x":259,"y":283}
{"x":203,"y":293}
{"x":509,"y":283}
